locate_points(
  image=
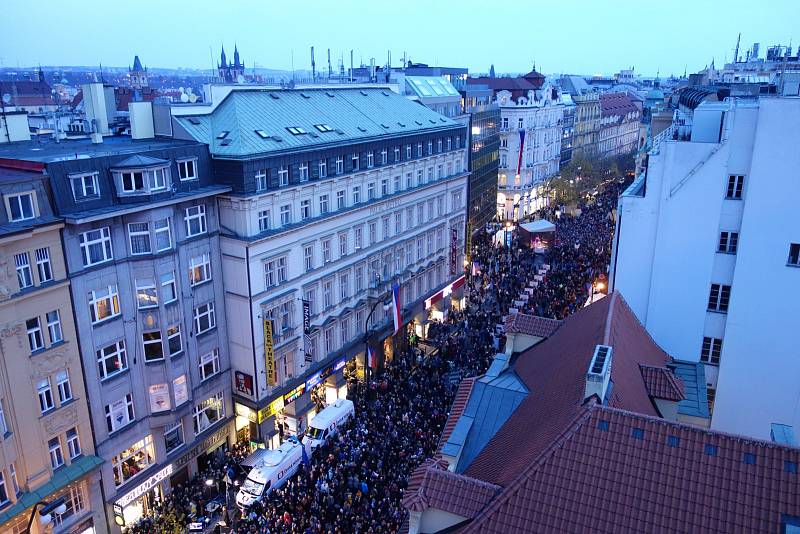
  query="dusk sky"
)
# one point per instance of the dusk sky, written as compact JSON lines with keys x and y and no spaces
{"x":579,"y":36}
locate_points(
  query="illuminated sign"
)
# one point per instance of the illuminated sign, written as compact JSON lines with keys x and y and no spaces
{"x":294,"y":394}
{"x":339,"y":365}
{"x":244,"y":383}
{"x":273,"y":408}
{"x":448,"y":290}
{"x":269,"y":353}
{"x":314,"y":380}
{"x":146,"y":486}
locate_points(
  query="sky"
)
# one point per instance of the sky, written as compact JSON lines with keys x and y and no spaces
{"x":575,"y":36}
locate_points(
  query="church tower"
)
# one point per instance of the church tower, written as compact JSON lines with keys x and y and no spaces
{"x":138,"y":74}
{"x":230,"y":72}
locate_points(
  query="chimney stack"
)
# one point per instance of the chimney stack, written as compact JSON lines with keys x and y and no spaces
{"x":141,"y":116}
{"x":599,"y":373}
{"x":94,"y":99}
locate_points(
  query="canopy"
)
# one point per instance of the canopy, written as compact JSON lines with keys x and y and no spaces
{"x":542,"y":225}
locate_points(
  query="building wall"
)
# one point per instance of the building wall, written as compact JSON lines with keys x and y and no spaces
{"x":587,"y":125}
{"x":484,"y":158}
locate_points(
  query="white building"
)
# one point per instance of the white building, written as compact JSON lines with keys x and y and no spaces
{"x":333,"y":189}
{"x":706,"y":254}
{"x":530,"y":149}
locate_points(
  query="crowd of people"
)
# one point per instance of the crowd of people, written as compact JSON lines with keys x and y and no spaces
{"x":355,"y":482}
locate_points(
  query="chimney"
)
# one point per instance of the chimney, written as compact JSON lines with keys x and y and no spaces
{"x":599,"y":374}
{"x":141,"y":116}
{"x":94,"y":99}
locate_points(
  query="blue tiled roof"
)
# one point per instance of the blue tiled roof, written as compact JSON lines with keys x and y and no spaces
{"x":250,"y":122}
{"x":492,"y":401}
{"x":695,"y":403}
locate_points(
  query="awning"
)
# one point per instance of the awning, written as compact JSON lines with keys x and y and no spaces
{"x":542,"y":225}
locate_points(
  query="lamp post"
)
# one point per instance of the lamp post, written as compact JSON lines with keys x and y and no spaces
{"x":379,"y":300}
{"x":48,"y":508}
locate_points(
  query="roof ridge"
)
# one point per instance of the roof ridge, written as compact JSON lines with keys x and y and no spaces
{"x":609,"y":318}
{"x":582,"y":416}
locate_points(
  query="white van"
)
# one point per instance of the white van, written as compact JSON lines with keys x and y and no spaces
{"x":327,"y":422}
{"x":272,"y":471}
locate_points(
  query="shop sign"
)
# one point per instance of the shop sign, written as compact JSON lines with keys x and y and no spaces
{"x":207,"y":443}
{"x":273,"y":408}
{"x":244,"y":383}
{"x":453,"y":251}
{"x":448,"y":289}
{"x":325,"y":373}
{"x":181,"y":390}
{"x":338,"y":365}
{"x":314,"y":380}
{"x":244,"y":411}
{"x":307,"y":331}
{"x":146,"y":486}
{"x":294,"y":394}
{"x":159,"y":398}
{"x":269,"y":353}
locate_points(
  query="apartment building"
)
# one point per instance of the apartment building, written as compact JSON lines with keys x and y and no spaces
{"x":46,"y":447}
{"x":337,"y":193}
{"x":586,"y":127}
{"x":619,"y":125}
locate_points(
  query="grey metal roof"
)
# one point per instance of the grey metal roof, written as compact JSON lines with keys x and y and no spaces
{"x":47,"y":150}
{"x":139,"y":161}
{"x":693,"y":374}
{"x":10,"y":228}
{"x":251,"y":122}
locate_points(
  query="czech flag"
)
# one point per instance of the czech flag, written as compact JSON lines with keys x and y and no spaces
{"x":398,"y":319}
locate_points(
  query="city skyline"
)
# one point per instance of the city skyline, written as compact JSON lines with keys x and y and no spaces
{"x":166,"y":42}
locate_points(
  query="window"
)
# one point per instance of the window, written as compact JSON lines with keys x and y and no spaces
{"x":20,"y":207}
{"x":339,"y":165}
{"x":430,"y":174}
{"x":43,"y":265}
{"x":3,"y":492}
{"x":419,"y":150}
{"x":195,"y":220}
{"x":458,"y":141}
{"x":370,"y":191}
{"x":408,"y":151}
{"x":310,"y":295}
{"x":204,"y":318}
{"x":326,"y":250}
{"x":396,"y":184}
{"x":396,"y":154}
{"x":35,"y":338}
{"x":305,"y":209}
{"x":384,"y":157}
{"x":200,"y":269}
{"x":520,"y":123}
{"x":728,"y":241}
{"x":323,"y":204}
{"x":794,"y":254}
{"x":264,"y":220}
{"x":85,"y":186}
{"x":111,"y":360}
{"x":409,"y":180}
{"x":323,"y":168}
{"x":327,"y":294}
{"x":710,"y":450}
{"x":133,"y":460}
{"x":187,"y":169}
{"x":14,"y":482}
{"x":355,"y":162}
{"x":119,"y":413}
{"x":208,"y":412}
{"x":344,"y":328}
{"x":419,"y":249}
{"x":56,"y":457}
{"x":24,"y":275}
{"x":73,"y":443}
{"x":283,"y":176}
{"x":340,"y":200}
{"x":45,"y":393}
{"x":373,"y":233}
{"x":209,"y":364}
{"x":358,"y":237}
{"x":308,"y":257}
{"x":439,"y":172}
{"x":329,"y":340}
{"x":104,"y":304}
{"x":96,"y":246}
{"x":409,"y":254}
{"x":384,"y":187}
{"x":344,"y":286}
{"x":735,"y":185}
{"x":342,"y":245}
{"x":303,"y":172}
{"x":296,"y":130}
{"x":359,"y":278}
{"x":718,"y":298}
{"x":173,"y":436}
{"x":3,"y":424}
{"x":153,"y":348}
{"x":261,"y":180}
{"x":439,"y":238}
{"x":54,"y":327}
{"x":174,"y":342}
{"x":132,"y":181}
{"x":275,"y":272}
{"x":370,"y":159}
{"x":356,"y":194}
{"x":286,"y":215}
{"x":163,"y":234}
{"x":146,"y":296}
{"x":139,"y":237}
{"x":385,"y":227}
{"x":711,"y":350}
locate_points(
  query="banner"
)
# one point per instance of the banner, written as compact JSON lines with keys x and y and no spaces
{"x":244,"y":383}
{"x":269,"y":353}
{"x":159,"y":398}
{"x":453,"y":251}
{"x":307,"y":331}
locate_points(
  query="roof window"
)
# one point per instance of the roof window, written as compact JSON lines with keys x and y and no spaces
{"x":790,"y":467}
{"x":602,"y":424}
{"x":296,"y":130}
{"x":225,"y":142}
{"x":402,"y":124}
{"x":223,"y":134}
{"x":329,"y":94}
{"x":384,"y":93}
{"x":637,"y":433}
{"x":673,"y":441}
{"x":419,"y":123}
{"x":710,"y":450}
{"x":262,"y":134}
{"x":362,"y":129}
{"x":323,"y":128}
{"x":363,"y":92}
{"x":749,"y":458}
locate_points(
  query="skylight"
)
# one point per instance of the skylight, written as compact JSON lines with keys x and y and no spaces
{"x":296,"y":130}
{"x":223,"y":134}
{"x":262,"y":134}
{"x":323,"y":128}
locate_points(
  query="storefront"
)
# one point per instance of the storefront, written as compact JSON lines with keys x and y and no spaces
{"x":138,"y":502}
{"x":439,"y":304}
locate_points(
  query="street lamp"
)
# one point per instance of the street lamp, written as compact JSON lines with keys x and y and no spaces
{"x":384,"y":300}
{"x":46,"y":513}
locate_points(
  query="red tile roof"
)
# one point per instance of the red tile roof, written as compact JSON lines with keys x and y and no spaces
{"x":433,"y":486}
{"x":459,"y":403}
{"x":616,"y":104}
{"x":532,"y":325}
{"x":616,"y":471}
{"x":555,"y":370}
{"x":662,"y":383}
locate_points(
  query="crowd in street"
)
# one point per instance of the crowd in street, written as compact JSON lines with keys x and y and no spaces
{"x":355,"y":482}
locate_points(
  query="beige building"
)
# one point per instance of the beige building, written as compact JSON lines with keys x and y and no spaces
{"x":587,"y":125}
{"x":46,"y":446}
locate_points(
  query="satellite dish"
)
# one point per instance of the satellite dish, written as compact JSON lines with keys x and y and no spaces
{"x":7,"y":98}
{"x":184,"y":97}
{"x":240,"y":79}
{"x":180,"y":89}
{"x":192,"y":98}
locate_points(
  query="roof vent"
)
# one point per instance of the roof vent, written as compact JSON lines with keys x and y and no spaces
{"x":363,"y":92}
{"x":277,"y":138}
{"x":599,"y":374}
{"x":442,"y":119}
{"x":432,"y":121}
{"x":304,"y":95}
{"x":312,"y":134}
{"x":419,"y":123}
{"x":223,"y":134}
{"x":275,"y":96}
{"x":385,"y":125}
{"x":329,"y":94}
{"x":401,"y":124}
{"x":194,"y":120}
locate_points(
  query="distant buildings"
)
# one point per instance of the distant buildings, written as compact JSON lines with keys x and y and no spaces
{"x":33,"y":96}
{"x":230,"y":72}
{"x":708,"y":260}
{"x":588,"y":429}
{"x":619,"y":125}
{"x":585,"y":136}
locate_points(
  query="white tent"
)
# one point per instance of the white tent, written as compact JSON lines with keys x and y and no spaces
{"x":542,"y":225}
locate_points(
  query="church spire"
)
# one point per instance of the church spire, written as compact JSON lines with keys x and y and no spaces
{"x":223,"y":61}
{"x":235,"y":55}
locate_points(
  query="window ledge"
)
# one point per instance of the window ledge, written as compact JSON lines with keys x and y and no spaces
{"x":719,"y":312}
{"x":198,"y":284}
{"x":176,"y":355}
{"x":153,"y":362}
{"x":48,"y":412}
{"x":111,"y":378}
{"x":205,"y":332}
{"x":107,"y":320}
{"x":38,"y":351}
{"x":795,"y":265}
{"x":67,"y":402}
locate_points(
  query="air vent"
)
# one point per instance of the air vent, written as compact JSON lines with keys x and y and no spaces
{"x":432,"y":121}
{"x":340,"y":132}
{"x":402,"y":124}
{"x":442,"y":119}
{"x":384,"y":93}
{"x":419,"y":123}
{"x":225,"y":142}
{"x":385,"y":125}
{"x":363,"y":93}
{"x":275,"y":96}
{"x":277,"y":138}
{"x":194,"y":120}
{"x":304,"y":95}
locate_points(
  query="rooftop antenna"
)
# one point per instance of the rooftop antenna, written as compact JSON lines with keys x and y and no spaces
{"x":351,"y":64}
{"x":101,"y":73}
{"x":313,"y":66}
{"x":211,"y":56}
{"x":736,"y":51}
{"x":292,"y":64}
{"x":330,"y":71}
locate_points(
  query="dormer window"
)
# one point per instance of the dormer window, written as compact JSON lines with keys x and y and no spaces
{"x":142,"y":175}
{"x":21,"y":207}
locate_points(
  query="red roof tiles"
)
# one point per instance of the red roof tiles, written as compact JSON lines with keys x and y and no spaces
{"x":616,"y":104}
{"x":433,"y":486}
{"x":662,"y":383}
{"x":532,"y":325}
{"x":459,"y":404}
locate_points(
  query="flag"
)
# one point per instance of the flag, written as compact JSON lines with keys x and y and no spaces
{"x":372,"y":360}
{"x":398,"y":319}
